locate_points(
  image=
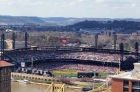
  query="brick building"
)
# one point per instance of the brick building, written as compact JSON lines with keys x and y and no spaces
{"x":5,"y":76}
{"x":128,"y":81}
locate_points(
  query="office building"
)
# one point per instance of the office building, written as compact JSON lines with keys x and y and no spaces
{"x":128,"y":81}
{"x":5,"y":76}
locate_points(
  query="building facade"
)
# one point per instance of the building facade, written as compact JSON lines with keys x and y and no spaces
{"x":5,"y":76}
{"x":127,"y":82}
{"x":18,"y":44}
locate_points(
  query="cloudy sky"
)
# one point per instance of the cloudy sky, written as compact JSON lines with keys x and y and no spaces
{"x":72,"y":8}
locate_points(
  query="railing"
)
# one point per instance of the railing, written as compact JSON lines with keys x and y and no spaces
{"x":56,"y":87}
{"x":136,"y":87}
{"x":49,"y":87}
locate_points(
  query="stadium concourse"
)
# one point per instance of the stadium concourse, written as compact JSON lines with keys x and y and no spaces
{"x":73,"y":60}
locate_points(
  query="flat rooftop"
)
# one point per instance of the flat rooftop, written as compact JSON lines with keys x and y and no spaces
{"x":131,"y":75}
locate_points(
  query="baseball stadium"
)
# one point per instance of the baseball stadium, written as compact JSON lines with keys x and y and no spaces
{"x":71,"y":63}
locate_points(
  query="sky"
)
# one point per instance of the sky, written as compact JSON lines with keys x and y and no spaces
{"x":72,"y":8}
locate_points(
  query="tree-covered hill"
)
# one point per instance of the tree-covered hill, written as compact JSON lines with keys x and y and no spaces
{"x":19,"y":19}
{"x":115,"y":25}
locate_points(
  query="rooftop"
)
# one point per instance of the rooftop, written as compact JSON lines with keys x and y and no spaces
{"x":4,"y":63}
{"x":131,"y":75}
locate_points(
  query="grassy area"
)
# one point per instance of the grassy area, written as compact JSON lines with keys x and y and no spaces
{"x":70,"y":73}
{"x":102,"y":74}
{"x":65,"y":74}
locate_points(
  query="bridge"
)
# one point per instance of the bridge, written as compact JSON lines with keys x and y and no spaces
{"x":62,"y":87}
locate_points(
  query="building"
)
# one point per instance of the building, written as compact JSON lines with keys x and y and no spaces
{"x":18,"y":44}
{"x":9,"y":44}
{"x":109,"y":33}
{"x":128,"y":81}
{"x":5,"y":76}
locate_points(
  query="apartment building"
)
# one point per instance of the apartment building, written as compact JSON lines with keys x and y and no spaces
{"x":5,"y":76}
{"x":128,"y":81}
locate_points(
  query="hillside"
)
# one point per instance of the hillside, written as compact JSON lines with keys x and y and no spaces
{"x":53,"y":21}
{"x":122,"y":26}
{"x":72,"y":20}
{"x":19,"y":20}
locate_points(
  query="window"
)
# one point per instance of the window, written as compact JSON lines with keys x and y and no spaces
{"x":5,"y":71}
{"x":136,"y":90}
{"x":126,"y":86}
{"x":126,"y":83}
{"x":136,"y":85}
{"x":125,"y":90}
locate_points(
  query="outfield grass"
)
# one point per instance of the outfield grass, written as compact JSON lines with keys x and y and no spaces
{"x":65,"y":74}
{"x":102,"y":74}
{"x":68,"y":73}
{"x":72,"y":73}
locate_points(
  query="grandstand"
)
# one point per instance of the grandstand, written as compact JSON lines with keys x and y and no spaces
{"x":75,"y":60}
{"x":71,"y":58}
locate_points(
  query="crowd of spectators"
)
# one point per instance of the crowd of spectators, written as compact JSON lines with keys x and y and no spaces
{"x":25,"y":56}
{"x":90,"y":56}
{"x":74,"y":66}
{"x":40,"y":55}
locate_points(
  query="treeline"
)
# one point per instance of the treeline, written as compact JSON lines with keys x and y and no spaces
{"x":19,"y":19}
{"x":120,"y":26}
{"x":52,"y":38}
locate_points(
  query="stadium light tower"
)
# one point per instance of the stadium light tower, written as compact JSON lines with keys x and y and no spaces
{"x":26,"y":39}
{"x":121,"y":51}
{"x":13,"y":37}
{"x":96,"y":41}
{"x":32,"y":63}
{"x":115,"y":41}
{"x":136,"y":49}
{"x":2,"y":46}
{"x":119,"y":65}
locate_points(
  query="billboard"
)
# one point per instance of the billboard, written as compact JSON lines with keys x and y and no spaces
{"x":64,"y":41}
{"x":22,"y":64}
